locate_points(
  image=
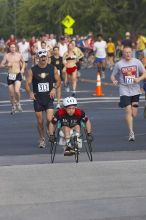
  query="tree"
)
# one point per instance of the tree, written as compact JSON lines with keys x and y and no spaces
{"x":105,"y":16}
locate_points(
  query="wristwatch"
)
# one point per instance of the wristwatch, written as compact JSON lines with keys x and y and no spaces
{"x":54,"y":87}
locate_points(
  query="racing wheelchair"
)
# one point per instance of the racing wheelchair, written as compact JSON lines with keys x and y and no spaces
{"x":76,"y":142}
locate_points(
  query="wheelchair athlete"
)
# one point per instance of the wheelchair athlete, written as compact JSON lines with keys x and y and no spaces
{"x":70,"y":117}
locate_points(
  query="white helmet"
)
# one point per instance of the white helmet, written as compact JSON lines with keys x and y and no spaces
{"x":42,"y":53}
{"x":69,"y":101}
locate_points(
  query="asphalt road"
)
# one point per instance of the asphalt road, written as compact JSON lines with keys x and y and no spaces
{"x":112,"y":187}
{"x":19,"y":136}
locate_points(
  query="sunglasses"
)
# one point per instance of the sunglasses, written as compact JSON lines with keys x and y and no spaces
{"x":42,"y":53}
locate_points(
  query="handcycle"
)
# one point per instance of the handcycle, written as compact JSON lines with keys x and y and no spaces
{"x":75,"y":141}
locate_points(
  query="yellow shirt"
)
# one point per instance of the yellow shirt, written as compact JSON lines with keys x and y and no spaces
{"x":110,"y":47}
{"x":141,"y":43}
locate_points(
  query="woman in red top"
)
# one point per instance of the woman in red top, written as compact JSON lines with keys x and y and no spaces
{"x":70,"y":60}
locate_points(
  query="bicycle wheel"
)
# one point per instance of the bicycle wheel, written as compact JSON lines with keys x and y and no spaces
{"x":75,"y":145}
{"x":53,"y":145}
{"x":77,"y":155}
{"x":88,"y":147}
{"x":53,"y":151}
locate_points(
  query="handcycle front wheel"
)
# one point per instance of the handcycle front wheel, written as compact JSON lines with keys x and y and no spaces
{"x":74,"y":143}
{"x":77,"y":155}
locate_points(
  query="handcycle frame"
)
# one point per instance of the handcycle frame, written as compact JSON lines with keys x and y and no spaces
{"x":73,"y":140}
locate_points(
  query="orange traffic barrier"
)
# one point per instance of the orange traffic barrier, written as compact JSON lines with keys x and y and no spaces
{"x":98,"y":86}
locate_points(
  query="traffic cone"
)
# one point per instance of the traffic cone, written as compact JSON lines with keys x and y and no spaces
{"x":98,"y":86}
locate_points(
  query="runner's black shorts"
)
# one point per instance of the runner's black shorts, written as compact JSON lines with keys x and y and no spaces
{"x":43,"y":104}
{"x":18,"y":78}
{"x":128,"y":100}
{"x":110,"y":54}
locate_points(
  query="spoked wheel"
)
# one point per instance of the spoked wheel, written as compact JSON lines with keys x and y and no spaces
{"x":53,"y":151}
{"x":88,"y":147}
{"x":53,"y":145}
{"x":76,"y":155}
{"x":75,"y":144}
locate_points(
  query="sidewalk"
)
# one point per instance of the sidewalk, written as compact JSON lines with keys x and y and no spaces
{"x":106,"y":190}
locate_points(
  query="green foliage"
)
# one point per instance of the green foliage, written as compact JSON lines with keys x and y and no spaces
{"x":111,"y":17}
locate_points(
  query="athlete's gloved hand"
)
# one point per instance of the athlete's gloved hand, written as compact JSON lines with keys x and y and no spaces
{"x":52,"y":138}
{"x":89,"y":137}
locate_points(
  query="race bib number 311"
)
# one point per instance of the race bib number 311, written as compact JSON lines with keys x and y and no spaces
{"x":43,"y":87}
{"x":129,"y":79}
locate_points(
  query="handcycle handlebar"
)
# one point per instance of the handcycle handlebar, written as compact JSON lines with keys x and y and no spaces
{"x":82,"y":124}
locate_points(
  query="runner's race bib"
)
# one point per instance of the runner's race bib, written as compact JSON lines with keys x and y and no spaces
{"x":12,"y":76}
{"x":43,"y":87}
{"x":129,"y":79}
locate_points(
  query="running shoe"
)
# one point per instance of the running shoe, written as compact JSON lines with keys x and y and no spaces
{"x":69,"y":151}
{"x":131,"y":136}
{"x":67,"y":89}
{"x":42,"y":143}
{"x":58,"y":106}
{"x":19,"y":108}
{"x":13,"y":110}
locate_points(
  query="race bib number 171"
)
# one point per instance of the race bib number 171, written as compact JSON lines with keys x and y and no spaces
{"x":129,"y":79}
{"x":43,"y":87}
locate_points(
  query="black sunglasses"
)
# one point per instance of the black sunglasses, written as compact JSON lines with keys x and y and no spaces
{"x":40,"y":52}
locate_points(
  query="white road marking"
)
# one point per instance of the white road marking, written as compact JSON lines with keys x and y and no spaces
{"x":99,"y":108}
{"x":24,"y":111}
{"x":23,"y":90}
{"x":8,"y":101}
{"x":4,"y":73}
{"x":142,"y":134}
{"x":81,"y":100}
{"x":3,"y":84}
{"x":6,"y":85}
{"x":83,"y":91}
{"x":9,"y":104}
{"x":2,"y":103}
{"x":31,"y":110}
{"x":139,"y":134}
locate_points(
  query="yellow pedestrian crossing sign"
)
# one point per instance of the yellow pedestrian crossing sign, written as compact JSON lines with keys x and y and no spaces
{"x":68,"y":21}
{"x":68,"y":31}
